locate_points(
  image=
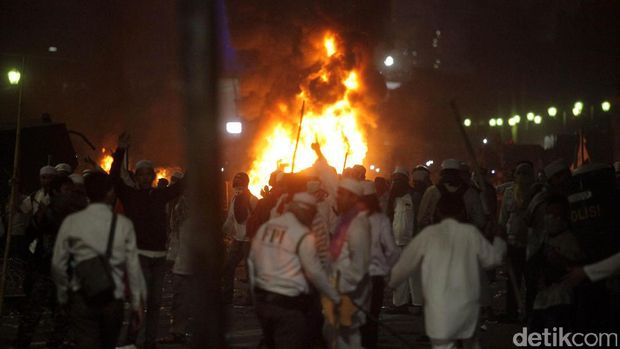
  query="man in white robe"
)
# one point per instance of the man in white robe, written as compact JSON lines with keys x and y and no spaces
{"x":447,"y":258}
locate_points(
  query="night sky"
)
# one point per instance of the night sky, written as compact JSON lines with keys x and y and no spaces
{"x":116,"y":66}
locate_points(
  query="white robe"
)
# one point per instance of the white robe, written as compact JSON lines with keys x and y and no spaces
{"x":447,"y":258}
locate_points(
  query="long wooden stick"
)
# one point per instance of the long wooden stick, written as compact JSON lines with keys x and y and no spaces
{"x":477,"y":170}
{"x":14,"y":189}
{"x":301,"y":119}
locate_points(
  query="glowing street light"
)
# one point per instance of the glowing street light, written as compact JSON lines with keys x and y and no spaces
{"x":485,"y":141}
{"x":492,"y":122}
{"x":372,"y":167}
{"x":14,"y":75}
{"x":552,"y":111}
{"x":512,"y":121}
{"x":530,"y":116}
{"x":234,"y":127}
{"x":537,"y":119}
{"x":389,"y":61}
{"x":517,"y":118}
{"x":578,"y":105}
{"x":429,"y":163}
{"x":606,"y":106}
{"x":576,"y":111}
{"x":499,"y":122}
{"x":467,"y":122}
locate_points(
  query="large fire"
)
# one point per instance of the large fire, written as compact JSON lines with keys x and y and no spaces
{"x":334,"y":122}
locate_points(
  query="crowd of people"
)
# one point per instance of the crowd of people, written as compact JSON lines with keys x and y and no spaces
{"x":320,"y":251}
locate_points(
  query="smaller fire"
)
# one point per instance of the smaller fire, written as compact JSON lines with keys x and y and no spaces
{"x":106,"y":161}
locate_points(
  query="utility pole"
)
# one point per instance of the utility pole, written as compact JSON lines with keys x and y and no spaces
{"x":199,"y":52}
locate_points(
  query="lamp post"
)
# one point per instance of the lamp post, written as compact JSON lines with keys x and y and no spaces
{"x":14,"y":77}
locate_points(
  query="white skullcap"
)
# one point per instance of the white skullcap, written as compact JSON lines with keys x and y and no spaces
{"x":144,"y":164}
{"x":555,"y":167}
{"x":451,"y":164}
{"x":368,"y":188}
{"x":313,"y":186}
{"x":178,"y":175}
{"x":419,"y":175}
{"x":48,"y":170}
{"x":304,"y":198}
{"x":401,"y":170}
{"x":351,"y":185}
{"x":63,"y":167}
{"x":76,"y":178}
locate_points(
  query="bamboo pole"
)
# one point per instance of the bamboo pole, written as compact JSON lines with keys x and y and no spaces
{"x":301,"y":119}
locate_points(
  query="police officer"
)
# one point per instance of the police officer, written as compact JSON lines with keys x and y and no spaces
{"x":283,"y":262}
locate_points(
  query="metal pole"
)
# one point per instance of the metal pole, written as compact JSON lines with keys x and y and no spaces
{"x":301,"y":119}
{"x":14,"y":189}
{"x":199,"y":52}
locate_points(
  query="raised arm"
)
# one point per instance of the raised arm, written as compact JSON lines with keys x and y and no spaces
{"x":409,"y":260}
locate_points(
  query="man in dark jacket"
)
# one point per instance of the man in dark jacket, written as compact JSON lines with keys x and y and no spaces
{"x":146,"y":207}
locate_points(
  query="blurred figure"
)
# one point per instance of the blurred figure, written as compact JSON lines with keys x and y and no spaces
{"x":558,"y":177}
{"x":513,"y":224}
{"x":262,"y":212}
{"x":553,"y":305}
{"x":449,"y":255}
{"x":359,"y":172}
{"x":83,"y":236}
{"x":453,"y":183}
{"x":283,"y":264}
{"x":63,"y":201}
{"x":383,"y":255}
{"x":420,"y":181}
{"x":350,"y":261}
{"x":383,"y":193}
{"x":241,"y":207}
{"x":402,"y":214}
{"x":63,"y":169}
{"x":146,"y":207}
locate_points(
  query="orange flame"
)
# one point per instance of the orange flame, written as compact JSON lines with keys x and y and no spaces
{"x":337,"y":125}
{"x":106,"y":161}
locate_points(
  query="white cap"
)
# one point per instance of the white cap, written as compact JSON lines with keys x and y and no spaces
{"x":48,"y":170}
{"x":144,"y":164}
{"x":63,"y":167}
{"x":304,"y":198}
{"x":351,"y":185}
{"x":76,"y":178}
{"x":401,"y":170}
{"x":368,"y":188}
{"x":178,"y":175}
{"x":313,"y":186}
{"x":555,"y":167}
{"x":451,"y":164}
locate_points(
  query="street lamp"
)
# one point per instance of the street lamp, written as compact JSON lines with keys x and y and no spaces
{"x":530,"y":116}
{"x":606,"y":106}
{"x":552,"y":111}
{"x":14,"y":75}
{"x":578,"y":105}
{"x":492,"y":122}
{"x":467,"y":122}
{"x":537,"y":119}
{"x":389,"y":61}
{"x":499,"y":122}
{"x":234,"y":127}
{"x":576,"y":111}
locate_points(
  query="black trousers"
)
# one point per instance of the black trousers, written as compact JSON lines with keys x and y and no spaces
{"x":370,"y":330}
{"x":516,"y":255}
{"x":238,"y":252}
{"x":96,"y":326}
{"x":283,"y":320}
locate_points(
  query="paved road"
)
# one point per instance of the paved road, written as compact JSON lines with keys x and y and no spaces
{"x":245,"y":331}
